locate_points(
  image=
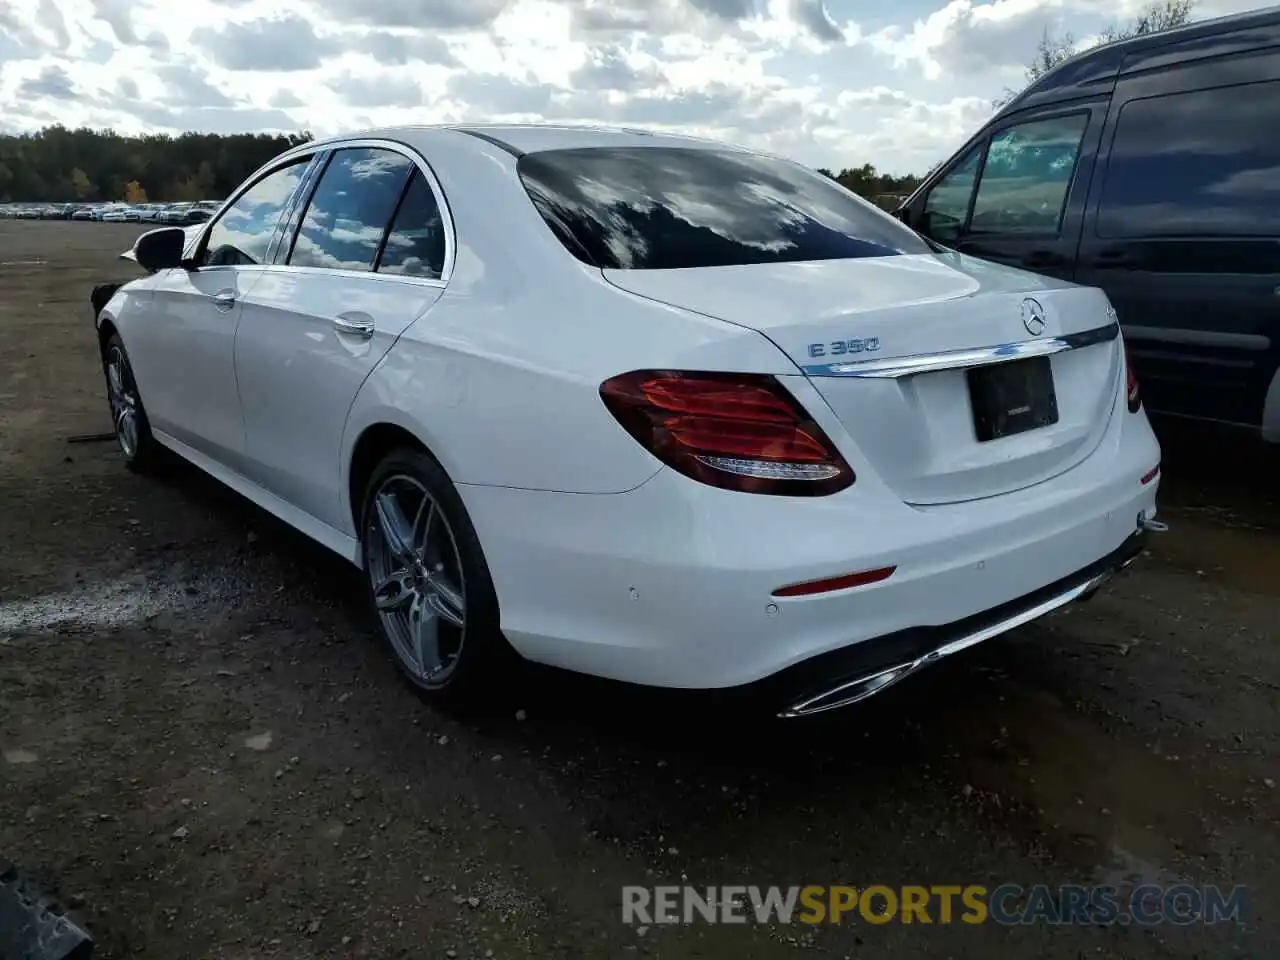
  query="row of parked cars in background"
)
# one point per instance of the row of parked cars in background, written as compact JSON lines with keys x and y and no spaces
{"x":181,"y":214}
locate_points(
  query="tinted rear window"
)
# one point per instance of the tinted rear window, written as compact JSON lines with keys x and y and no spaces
{"x":1203,"y":163}
{"x":658,"y":208}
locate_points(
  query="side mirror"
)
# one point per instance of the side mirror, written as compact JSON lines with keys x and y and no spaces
{"x":159,"y":249}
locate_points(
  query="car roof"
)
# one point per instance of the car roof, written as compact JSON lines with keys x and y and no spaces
{"x":1085,"y":73}
{"x":521,"y":138}
{"x":531,"y":137}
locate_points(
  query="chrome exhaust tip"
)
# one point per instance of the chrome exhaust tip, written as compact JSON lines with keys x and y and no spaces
{"x":850,"y":692}
{"x":1151,"y":524}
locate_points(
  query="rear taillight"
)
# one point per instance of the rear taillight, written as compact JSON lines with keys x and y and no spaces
{"x":1131,"y":392}
{"x":738,"y":431}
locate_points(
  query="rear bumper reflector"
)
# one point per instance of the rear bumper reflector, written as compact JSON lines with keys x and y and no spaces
{"x":1151,"y":474}
{"x":844,"y":582}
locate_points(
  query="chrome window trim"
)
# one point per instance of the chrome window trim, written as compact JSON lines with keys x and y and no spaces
{"x":295,"y":154}
{"x":339,"y":272}
{"x":894,"y":367}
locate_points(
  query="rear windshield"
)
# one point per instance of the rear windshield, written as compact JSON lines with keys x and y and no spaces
{"x":662,"y":208}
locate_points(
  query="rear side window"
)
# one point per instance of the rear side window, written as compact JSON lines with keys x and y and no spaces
{"x":1027,"y":175}
{"x":656,"y":208}
{"x":350,"y":209}
{"x":241,"y":236}
{"x":415,"y":246}
{"x":1204,"y":163}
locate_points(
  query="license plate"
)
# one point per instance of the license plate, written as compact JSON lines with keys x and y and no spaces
{"x":1012,"y":397}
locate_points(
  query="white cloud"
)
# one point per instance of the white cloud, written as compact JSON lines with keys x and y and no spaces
{"x":970,"y":38}
{"x":832,"y":82}
{"x":272,"y":43}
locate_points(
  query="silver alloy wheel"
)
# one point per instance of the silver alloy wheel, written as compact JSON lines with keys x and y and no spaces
{"x":123,"y":397}
{"x":415,"y":573}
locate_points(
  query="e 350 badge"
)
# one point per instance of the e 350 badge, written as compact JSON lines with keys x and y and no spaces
{"x":838,"y":348}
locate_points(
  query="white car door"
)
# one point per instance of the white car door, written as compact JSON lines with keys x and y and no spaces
{"x":366,"y":262}
{"x":186,"y":358}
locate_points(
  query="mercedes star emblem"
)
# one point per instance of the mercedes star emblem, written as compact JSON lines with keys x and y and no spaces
{"x":1033,"y":317}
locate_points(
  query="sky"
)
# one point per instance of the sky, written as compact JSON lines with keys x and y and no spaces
{"x":831,"y":83}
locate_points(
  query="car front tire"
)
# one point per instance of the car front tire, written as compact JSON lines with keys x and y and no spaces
{"x":128,"y":416}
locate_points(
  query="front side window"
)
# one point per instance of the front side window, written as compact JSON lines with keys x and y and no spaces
{"x":1203,"y":163}
{"x":947,"y":206}
{"x":1027,"y":175}
{"x":656,"y":208}
{"x":415,"y":246}
{"x":241,"y":236}
{"x":350,"y":209}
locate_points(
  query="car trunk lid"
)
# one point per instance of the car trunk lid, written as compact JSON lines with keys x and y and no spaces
{"x":938,"y":366}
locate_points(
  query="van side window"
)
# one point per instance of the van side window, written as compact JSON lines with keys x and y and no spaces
{"x":1027,"y":175}
{"x":947,"y":206}
{"x":1203,"y":163}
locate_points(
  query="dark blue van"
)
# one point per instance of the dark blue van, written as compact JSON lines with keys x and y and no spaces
{"x":1149,"y":168}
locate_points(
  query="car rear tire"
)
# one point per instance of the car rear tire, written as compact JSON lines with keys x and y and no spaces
{"x":429,"y":586}
{"x":128,"y":416}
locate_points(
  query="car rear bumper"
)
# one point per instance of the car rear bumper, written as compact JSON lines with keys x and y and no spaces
{"x":844,"y":677}
{"x":672,"y":584}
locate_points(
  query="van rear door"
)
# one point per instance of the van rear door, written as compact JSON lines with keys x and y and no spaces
{"x":1183,"y":227}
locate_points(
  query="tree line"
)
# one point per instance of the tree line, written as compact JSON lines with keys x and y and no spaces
{"x":868,"y":182}
{"x":57,"y":164}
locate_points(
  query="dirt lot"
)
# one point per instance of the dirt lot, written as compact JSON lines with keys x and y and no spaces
{"x":207,"y":753}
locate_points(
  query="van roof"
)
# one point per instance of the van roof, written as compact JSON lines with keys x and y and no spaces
{"x":1095,"y":71}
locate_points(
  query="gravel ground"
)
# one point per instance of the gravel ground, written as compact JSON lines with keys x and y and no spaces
{"x":208,"y":755}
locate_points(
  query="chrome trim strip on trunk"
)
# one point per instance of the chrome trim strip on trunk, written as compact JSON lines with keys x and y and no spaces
{"x":893,"y":367}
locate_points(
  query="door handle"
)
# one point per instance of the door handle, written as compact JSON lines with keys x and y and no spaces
{"x":1041,"y":258}
{"x":224,"y":300}
{"x":1113,"y":258}
{"x":358,"y":325}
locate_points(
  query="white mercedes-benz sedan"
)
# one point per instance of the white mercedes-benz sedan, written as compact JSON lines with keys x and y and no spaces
{"x":646,"y":407}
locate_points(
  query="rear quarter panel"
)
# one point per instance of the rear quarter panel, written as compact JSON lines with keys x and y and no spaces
{"x":505,"y":392}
